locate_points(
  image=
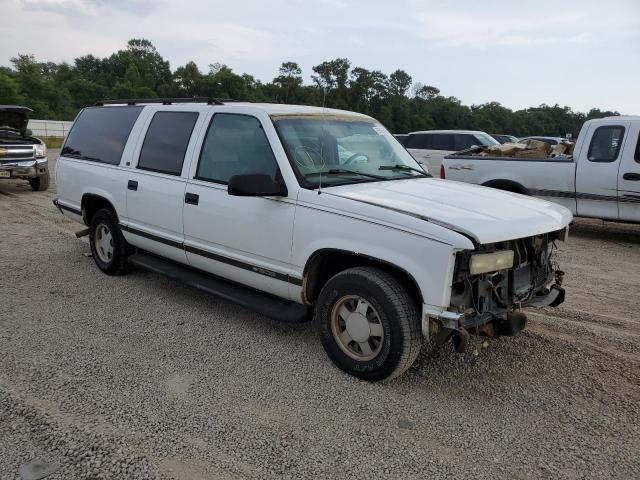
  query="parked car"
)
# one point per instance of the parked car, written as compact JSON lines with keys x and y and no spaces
{"x":504,"y":138}
{"x":431,"y":146}
{"x":260,"y":204}
{"x":550,"y":140}
{"x":601,"y":180}
{"x":401,"y":137}
{"x":22,"y":155}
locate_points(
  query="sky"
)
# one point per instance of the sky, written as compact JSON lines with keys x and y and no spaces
{"x":578,"y":53}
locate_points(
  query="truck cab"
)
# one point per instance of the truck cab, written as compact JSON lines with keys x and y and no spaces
{"x":607,"y":178}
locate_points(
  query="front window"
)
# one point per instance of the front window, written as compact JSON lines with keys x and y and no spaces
{"x":235,"y":144}
{"x":486,"y":140}
{"x":605,"y":144}
{"x":344,"y":150}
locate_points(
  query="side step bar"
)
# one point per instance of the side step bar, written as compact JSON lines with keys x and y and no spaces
{"x":268,"y":305}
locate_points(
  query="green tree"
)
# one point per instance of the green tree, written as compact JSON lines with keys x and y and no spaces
{"x":59,"y":90}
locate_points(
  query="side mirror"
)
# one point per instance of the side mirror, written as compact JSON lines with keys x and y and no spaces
{"x":255,"y":185}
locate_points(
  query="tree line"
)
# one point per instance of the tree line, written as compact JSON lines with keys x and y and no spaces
{"x":59,"y":90}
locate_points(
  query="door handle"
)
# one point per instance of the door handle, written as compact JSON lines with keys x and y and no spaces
{"x":631,"y":176}
{"x":191,"y":198}
{"x":132,"y":185}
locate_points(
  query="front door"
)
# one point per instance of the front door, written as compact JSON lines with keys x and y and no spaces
{"x":629,"y":177}
{"x":597,"y":170}
{"x":244,"y":239}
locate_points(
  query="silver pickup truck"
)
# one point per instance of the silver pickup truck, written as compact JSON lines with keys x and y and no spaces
{"x":21,"y":154}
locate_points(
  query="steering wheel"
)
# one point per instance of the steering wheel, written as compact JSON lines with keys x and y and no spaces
{"x":303,"y":156}
{"x":354,"y":156}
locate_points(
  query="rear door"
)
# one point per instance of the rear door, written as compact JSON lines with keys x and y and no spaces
{"x":629,"y":177}
{"x":597,"y":170}
{"x":157,"y":180}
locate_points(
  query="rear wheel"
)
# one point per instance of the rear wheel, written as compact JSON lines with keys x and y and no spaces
{"x":369,"y":324}
{"x":109,"y":248}
{"x":41,"y":183}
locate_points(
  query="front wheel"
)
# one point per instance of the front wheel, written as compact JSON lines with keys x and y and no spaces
{"x":41,"y":183}
{"x":108,"y":246}
{"x":369,"y":324}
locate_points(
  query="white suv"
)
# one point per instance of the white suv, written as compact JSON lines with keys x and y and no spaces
{"x":429,"y":147}
{"x":302,"y":212}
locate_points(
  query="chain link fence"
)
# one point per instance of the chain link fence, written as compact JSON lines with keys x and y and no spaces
{"x":49,"y":128}
{"x":51,"y":132}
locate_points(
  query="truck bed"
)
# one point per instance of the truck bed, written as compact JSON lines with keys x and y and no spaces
{"x":516,"y":159}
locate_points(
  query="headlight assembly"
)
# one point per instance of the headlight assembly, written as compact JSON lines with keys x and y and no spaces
{"x":490,"y":262}
{"x":41,"y":150}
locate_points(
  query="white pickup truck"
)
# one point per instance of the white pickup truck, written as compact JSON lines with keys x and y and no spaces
{"x":301,"y":212}
{"x":602,"y":180}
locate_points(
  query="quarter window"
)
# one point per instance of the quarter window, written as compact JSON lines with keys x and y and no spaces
{"x":235,"y":145}
{"x":99,"y":134}
{"x":637,"y":154}
{"x":606,"y":143}
{"x":166,"y":141}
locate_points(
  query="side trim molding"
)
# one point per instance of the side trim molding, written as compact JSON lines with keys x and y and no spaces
{"x":283,"y":277}
{"x":61,"y":207}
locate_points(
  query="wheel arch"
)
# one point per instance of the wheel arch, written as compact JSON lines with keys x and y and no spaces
{"x":327,"y":262}
{"x":507,"y":185}
{"x":91,"y":203}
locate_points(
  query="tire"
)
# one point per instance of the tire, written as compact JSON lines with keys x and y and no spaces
{"x":386,"y":303}
{"x":104,"y":232}
{"x":41,"y":183}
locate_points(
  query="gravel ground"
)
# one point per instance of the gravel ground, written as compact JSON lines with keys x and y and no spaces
{"x":138,"y":377}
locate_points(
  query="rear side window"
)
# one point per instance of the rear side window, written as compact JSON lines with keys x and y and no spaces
{"x":166,"y":141}
{"x":443,"y":141}
{"x":419,"y":141}
{"x":235,"y":144}
{"x":100,"y":133}
{"x":606,"y":143}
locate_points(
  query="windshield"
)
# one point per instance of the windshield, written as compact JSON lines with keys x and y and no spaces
{"x":340,"y":151}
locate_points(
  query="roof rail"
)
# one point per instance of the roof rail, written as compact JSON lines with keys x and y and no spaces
{"x":163,"y":101}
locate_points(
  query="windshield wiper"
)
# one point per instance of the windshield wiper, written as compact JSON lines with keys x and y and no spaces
{"x":399,"y":166}
{"x":338,"y":171}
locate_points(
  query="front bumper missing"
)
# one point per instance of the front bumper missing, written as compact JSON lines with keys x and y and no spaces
{"x":490,"y":323}
{"x":24,"y":169}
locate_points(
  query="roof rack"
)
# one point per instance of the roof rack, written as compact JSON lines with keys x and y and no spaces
{"x":163,"y":101}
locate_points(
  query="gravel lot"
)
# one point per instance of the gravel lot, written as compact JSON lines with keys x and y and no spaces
{"x":138,"y":377}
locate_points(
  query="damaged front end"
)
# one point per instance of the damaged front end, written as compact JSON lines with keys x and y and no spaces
{"x":492,"y":283}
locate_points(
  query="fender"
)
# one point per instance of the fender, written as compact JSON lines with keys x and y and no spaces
{"x":313,"y":263}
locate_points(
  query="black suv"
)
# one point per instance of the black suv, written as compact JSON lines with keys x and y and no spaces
{"x":21,"y":155}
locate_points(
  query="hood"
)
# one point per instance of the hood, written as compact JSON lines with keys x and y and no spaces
{"x":15,"y":118}
{"x":485,"y":214}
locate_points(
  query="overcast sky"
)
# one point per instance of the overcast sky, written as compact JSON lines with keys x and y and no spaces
{"x":579,"y":53}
